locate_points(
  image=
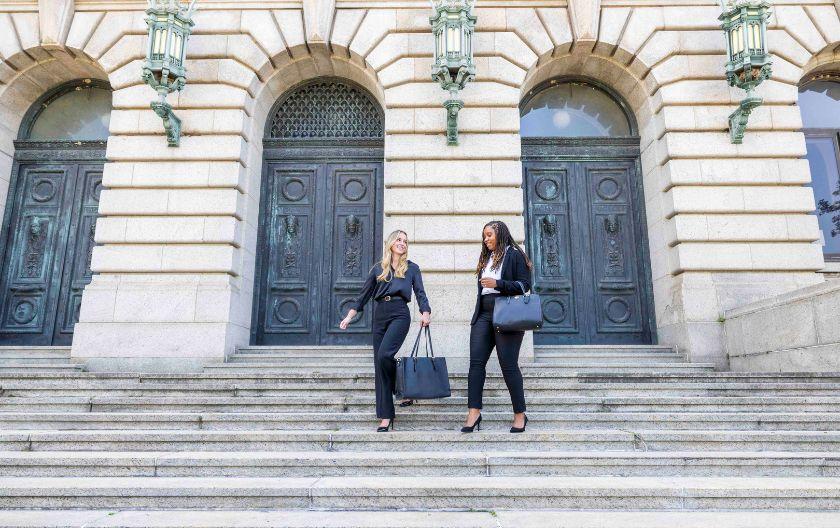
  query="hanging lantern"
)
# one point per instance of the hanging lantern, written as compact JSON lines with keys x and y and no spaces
{"x":745,"y":26}
{"x":170,"y":24}
{"x":453,"y":25}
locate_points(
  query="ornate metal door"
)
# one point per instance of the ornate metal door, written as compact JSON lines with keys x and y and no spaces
{"x":320,"y":230}
{"x":49,"y":226}
{"x":321,"y":215}
{"x":584,"y":230}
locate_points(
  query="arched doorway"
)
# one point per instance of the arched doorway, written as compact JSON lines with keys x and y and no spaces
{"x":819,"y":103}
{"x":585,"y":220}
{"x":320,"y":213}
{"x":48,"y":227}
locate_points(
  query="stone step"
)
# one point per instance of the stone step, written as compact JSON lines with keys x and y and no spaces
{"x":442,"y":493}
{"x":496,"y":518}
{"x":315,"y":403}
{"x":569,"y":366}
{"x":301,"y":362}
{"x":34,"y":351}
{"x":32,"y":360}
{"x":625,"y":349}
{"x":401,"y":440}
{"x":300,"y":464}
{"x":307,"y":351}
{"x":640,"y":358}
{"x":343,"y":361}
{"x":15,"y":368}
{"x":419,"y":420}
{"x":363,"y":388}
{"x":530,"y":371}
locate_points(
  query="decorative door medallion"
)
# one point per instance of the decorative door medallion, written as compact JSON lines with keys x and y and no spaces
{"x":320,"y":220}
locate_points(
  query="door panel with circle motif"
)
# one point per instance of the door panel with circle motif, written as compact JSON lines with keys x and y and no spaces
{"x":319,"y":233}
{"x":46,"y":262}
{"x":584,"y":234}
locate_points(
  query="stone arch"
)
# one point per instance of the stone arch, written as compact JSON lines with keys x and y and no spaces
{"x":53,"y":68}
{"x":826,"y":60}
{"x":606,"y":71}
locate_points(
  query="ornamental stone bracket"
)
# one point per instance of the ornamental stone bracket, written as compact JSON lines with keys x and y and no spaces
{"x":54,"y":18}
{"x":584,"y":16}
{"x":318,"y":16}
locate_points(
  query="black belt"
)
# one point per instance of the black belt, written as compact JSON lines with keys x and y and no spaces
{"x":388,"y":298}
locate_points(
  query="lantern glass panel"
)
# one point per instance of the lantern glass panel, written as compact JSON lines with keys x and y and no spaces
{"x":159,"y":43}
{"x":755,"y":37}
{"x":453,"y":40}
{"x":175,"y":47}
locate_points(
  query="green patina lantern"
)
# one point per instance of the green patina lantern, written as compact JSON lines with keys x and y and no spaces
{"x":745,"y":25}
{"x":453,"y":25}
{"x":170,"y":24}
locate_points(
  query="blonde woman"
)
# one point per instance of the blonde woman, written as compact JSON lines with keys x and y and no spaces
{"x":389,"y":283}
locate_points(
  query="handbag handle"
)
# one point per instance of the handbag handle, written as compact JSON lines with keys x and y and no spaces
{"x":415,"y":350}
{"x":527,"y":294}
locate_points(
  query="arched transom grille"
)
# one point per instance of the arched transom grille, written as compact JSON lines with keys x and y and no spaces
{"x":326,"y":109}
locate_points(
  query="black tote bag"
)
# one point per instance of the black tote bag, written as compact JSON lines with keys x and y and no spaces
{"x":518,"y":313}
{"x":422,"y":378}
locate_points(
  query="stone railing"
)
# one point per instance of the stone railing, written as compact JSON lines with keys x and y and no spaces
{"x":796,"y":331}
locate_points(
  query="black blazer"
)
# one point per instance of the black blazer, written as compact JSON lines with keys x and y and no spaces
{"x":514,"y":268}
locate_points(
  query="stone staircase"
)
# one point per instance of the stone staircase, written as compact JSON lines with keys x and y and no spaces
{"x":619,"y":437}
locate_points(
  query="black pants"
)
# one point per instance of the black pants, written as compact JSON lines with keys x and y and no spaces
{"x":390,"y":326}
{"x":482,"y":340}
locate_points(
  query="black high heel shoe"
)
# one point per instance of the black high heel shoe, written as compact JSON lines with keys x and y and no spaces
{"x":384,"y":429}
{"x":475,"y":426}
{"x":520,"y":429}
{"x":407,"y":403}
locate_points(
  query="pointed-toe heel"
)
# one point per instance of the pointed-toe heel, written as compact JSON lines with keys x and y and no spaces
{"x":386,"y":428}
{"x":476,"y":426}
{"x":520,"y":429}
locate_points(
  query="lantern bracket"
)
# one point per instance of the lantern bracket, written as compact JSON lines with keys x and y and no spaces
{"x":453,"y":106}
{"x":171,"y":122}
{"x":738,"y":119}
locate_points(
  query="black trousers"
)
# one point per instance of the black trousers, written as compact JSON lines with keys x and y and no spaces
{"x":391,"y":321}
{"x":482,"y":340}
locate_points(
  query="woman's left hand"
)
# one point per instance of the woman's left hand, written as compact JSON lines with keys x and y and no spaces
{"x":425,"y":319}
{"x":488,"y":282}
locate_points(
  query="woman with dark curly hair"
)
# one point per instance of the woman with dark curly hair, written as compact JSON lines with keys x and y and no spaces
{"x":503,"y":269}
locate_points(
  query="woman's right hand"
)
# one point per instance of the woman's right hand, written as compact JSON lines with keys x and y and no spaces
{"x":346,"y":321}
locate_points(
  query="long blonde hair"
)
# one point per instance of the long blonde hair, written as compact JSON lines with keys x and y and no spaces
{"x":402,"y":267}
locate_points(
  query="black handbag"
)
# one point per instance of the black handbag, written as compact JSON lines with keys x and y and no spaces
{"x":422,"y":378}
{"x":518,"y":313}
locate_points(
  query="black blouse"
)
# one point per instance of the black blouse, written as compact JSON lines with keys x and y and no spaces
{"x":396,"y":287}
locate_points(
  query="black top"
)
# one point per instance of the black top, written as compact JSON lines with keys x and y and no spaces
{"x":396,"y":287}
{"x":514,"y":268}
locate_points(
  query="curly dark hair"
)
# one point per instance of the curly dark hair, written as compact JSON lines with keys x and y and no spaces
{"x":503,"y":240}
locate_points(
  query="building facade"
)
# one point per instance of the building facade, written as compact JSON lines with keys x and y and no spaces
{"x":597,"y":130}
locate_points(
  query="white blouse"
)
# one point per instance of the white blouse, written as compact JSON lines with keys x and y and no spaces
{"x":495,"y":274}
